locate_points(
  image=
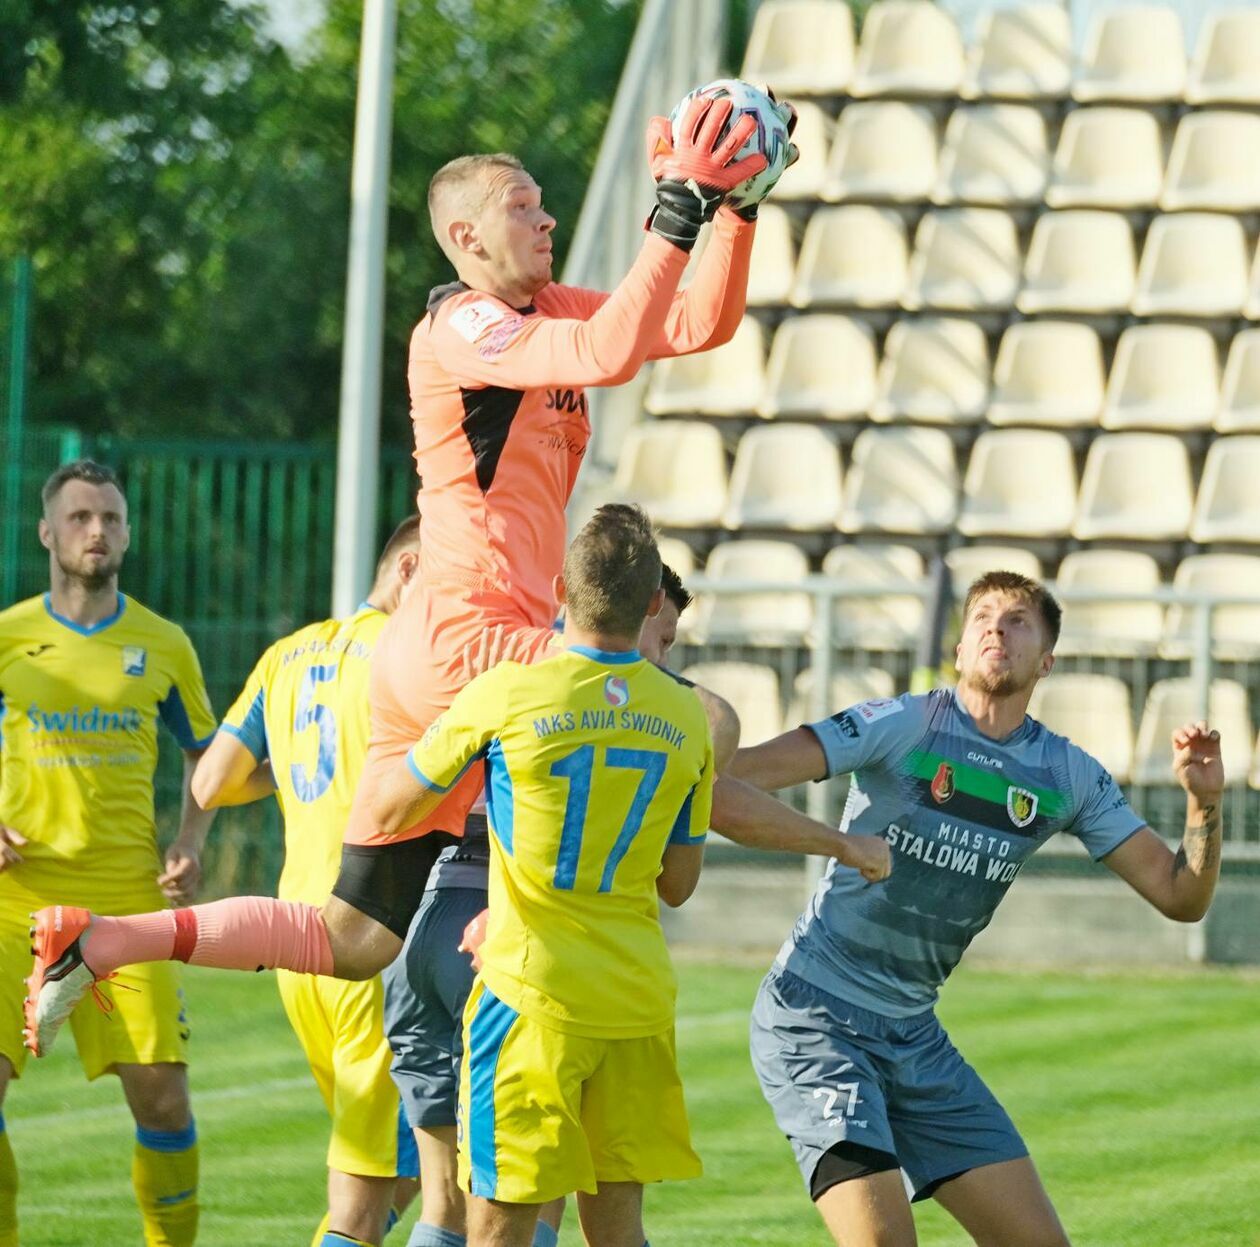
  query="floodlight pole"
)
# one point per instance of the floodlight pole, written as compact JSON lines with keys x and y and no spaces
{"x":358,"y":445}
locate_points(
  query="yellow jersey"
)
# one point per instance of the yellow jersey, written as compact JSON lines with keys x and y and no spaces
{"x":305,"y":707}
{"x":595,"y":762}
{"x":80,"y":709}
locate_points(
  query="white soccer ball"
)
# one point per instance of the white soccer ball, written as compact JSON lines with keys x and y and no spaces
{"x":770,"y":138}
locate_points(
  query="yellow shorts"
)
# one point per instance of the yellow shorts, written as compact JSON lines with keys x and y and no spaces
{"x":543,"y":1113}
{"x":147,"y":1026}
{"x":341,"y":1029}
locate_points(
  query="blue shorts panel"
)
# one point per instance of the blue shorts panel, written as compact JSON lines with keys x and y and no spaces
{"x":833,"y":1072}
{"x":425,"y":992}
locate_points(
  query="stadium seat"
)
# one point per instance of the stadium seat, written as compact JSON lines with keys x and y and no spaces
{"x":1252,"y":309}
{"x":773,"y":259}
{"x":1107,"y":158}
{"x":1079,"y":261}
{"x":1172,"y":703}
{"x":755,"y":618}
{"x":886,"y":623}
{"x":883,"y":150}
{"x":1135,"y":53}
{"x":969,"y":563}
{"x":1163,"y":377}
{"x":934,"y":371}
{"x":909,"y":47}
{"x":675,"y":470}
{"x":1228,"y":506}
{"x":1019,"y":483}
{"x":1193,"y":264}
{"x":1021,"y":53}
{"x":854,"y":255}
{"x":1136,"y":486}
{"x":901,"y":480}
{"x":1235,"y":629}
{"x":726,"y":381}
{"x":785,"y":476}
{"x":801,"y":47}
{"x":1214,"y":163}
{"x":1226,"y":64}
{"x":820,"y":365}
{"x":677,"y":554}
{"x":993,"y":154}
{"x":752,"y":690}
{"x":849,"y":686}
{"x":1047,"y":372}
{"x":1239,"y":410}
{"x":965,"y":259}
{"x":1114,"y":628}
{"x":812,"y":136}
{"x":1092,"y":711}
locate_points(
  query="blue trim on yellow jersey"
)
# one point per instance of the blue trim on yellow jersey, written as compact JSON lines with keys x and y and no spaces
{"x":1,"y":1123}
{"x":613,"y":657}
{"x":91,"y":629}
{"x":407,"y":1164}
{"x":486,"y":1033}
{"x":500,"y":812}
{"x":252,"y":729}
{"x":681,"y":831}
{"x":171,"y":709}
{"x":167,"y":1140}
{"x":432,"y":784}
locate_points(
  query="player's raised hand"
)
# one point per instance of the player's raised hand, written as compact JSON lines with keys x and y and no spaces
{"x":868,"y":854}
{"x":1197,"y":760}
{"x":181,"y":879}
{"x":10,"y":842}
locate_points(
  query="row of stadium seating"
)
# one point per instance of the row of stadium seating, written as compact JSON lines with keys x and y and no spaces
{"x":894,"y":622}
{"x":905,"y":480}
{"x":936,"y":370}
{"x":1093,"y":710}
{"x":914,"y":48}
{"x":1000,"y":154}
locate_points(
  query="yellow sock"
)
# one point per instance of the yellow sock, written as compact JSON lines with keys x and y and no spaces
{"x":8,"y":1190}
{"x":319,"y":1233}
{"x":164,"y":1176}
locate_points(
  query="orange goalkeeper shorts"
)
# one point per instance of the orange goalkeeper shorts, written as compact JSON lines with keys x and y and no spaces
{"x":440,"y":636}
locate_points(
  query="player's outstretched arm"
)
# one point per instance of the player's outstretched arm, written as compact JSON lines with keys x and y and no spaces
{"x":680,"y":872}
{"x":793,"y":758}
{"x":181,"y":879}
{"x":1181,"y":884}
{"x":403,"y":799}
{"x":229,"y":774}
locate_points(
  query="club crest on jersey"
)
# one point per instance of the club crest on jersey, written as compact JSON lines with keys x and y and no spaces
{"x":134,"y":658}
{"x":942,"y":787}
{"x":616,"y":690}
{"x":1021,"y":805}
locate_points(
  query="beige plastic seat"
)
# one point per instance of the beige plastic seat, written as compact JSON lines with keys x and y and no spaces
{"x":965,"y":259}
{"x":854,"y":256}
{"x":1019,"y":483}
{"x":993,"y":154}
{"x":1116,"y":628}
{"x":934,"y":371}
{"x":676,"y":553}
{"x":773,"y":259}
{"x":725,"y":381}
{"x":968,"y":563}
{"x":812,"y":136}
{"x":1107,"y":158}
{"x":1163,"y":377}
{"x":1135,"y":486}
{"x":785,"y":476}
{"x":1172,"y":703}
{"x":1239,"y":410}
{"x":675,"y":470}
{"x":1048,"y":372}
{"x":885,"y":623}
{"x":901,"y":480}
{"x":1092,"y":711}
{"x":1226,"y":64}
{"x":849,"y":686}
{"x":1252,"y":309}
{"x":755,"y":618}
{"x":752,"y":690}
{"x":883,"y":150}
{"x":1193,"y":264}
{"x":820,"y":365}
{"x":1021,"y":53}
{"x":1135,"y":53}
{"x":1079,"y":260}
{"x":909,"y":47}
{"x":1214,"y":163}
{"x":1228,"y":506}
{"x":801,"y":47}
{"x":1235,"y":629}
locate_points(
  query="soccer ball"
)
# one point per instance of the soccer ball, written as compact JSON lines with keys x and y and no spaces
{"x":770,"y":138}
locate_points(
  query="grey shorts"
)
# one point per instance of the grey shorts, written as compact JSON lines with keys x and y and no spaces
{"x":425,"y":991}
{"x":835,"y":1074}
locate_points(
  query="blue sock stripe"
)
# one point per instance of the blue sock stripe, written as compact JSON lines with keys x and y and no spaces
{"x":1,"y":1123}
{"x":331,"y":1239}
{"x":545,"y":1236}
{"x":486,"y":1034}
{"x":392,"y":1220}
{"x":167,"y":1140}
{"x":407,"y":1163}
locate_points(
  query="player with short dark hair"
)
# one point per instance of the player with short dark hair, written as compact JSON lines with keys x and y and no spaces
{"x":965,"y":787}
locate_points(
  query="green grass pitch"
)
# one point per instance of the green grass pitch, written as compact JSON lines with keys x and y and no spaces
{"x":1139,"y":1095}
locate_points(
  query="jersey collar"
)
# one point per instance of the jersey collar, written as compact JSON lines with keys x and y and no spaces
{"x":91,"y":629}
{"x":1027,"y":725}
{"x":615,"y":658}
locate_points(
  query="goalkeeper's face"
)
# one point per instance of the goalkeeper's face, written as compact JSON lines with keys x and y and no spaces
{"x":515,"y":231}
{"x":1003,"y":650}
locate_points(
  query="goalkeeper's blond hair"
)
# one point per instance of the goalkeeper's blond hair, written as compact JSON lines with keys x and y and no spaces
{"x":458,"y":190}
